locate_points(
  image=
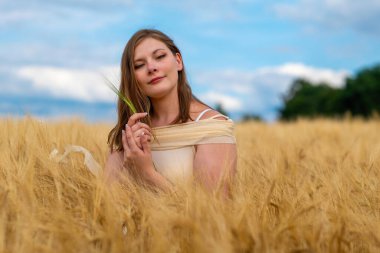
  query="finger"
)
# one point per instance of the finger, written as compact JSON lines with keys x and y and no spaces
{"x":147,"y":134}
{"x":125,"y":142}
{"x":141,"y":132}
{"x":131,"y":141}
{"x":135,"y":117}
{"x":145,"y":144}
{"x":140,"y":125}
{"x":138,"y":133}
{"x":138,"y":139}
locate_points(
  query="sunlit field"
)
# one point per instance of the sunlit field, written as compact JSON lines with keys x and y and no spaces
{"x":306,"y":186}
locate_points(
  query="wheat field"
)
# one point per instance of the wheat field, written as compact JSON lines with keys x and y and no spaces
{"x":305,"y":186}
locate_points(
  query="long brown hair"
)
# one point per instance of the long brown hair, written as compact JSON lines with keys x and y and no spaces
{"x":130,"y":88}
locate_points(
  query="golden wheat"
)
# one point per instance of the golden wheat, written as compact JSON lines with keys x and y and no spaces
{"x":306,"y":186}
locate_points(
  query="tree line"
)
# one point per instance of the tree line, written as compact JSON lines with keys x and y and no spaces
{"x":359,"y":96}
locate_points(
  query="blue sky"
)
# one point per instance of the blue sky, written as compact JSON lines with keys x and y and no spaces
{"x":241,"y":53}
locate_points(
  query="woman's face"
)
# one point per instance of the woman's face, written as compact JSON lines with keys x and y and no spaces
{"x":156,"y":68}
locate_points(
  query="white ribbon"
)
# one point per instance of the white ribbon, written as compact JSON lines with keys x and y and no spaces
{"x":89,"y":161}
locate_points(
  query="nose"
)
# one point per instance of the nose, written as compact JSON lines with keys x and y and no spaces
{"x":151,"y":66}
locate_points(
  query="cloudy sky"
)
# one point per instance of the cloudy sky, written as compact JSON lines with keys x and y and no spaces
{"x":242,"y":53}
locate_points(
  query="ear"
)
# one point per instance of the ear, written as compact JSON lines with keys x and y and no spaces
{"x":178,"y":59}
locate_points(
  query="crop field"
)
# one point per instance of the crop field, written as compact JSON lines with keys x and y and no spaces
{"x":303,"y":186}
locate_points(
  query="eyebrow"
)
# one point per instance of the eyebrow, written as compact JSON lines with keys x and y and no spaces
{"x":140,"y":59}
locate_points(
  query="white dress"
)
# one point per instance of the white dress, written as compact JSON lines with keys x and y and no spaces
{"x":173,"y":148}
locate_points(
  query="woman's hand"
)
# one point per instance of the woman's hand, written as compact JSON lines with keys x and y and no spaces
{"x":138,"y":128}
{"x":137,"y":159}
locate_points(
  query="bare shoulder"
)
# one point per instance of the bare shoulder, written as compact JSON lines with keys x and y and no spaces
{"x":214,"y":114}
{"x":197,"y":109}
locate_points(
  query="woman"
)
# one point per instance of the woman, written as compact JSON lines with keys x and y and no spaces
{"x":176,"y":136}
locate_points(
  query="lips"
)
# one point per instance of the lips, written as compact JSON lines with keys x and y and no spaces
{"x":155,"y":80}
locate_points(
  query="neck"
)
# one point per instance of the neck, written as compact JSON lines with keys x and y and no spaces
{"x":166,"y":109}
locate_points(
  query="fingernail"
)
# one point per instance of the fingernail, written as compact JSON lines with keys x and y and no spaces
{"x":146,"y":113}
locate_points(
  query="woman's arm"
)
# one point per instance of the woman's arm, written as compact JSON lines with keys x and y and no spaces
{"x":113,"y":166}
{"x":215,"y":164}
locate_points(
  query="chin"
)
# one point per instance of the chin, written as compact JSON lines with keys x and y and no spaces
{"x":160,"y":92}
{"x":157,"y":95}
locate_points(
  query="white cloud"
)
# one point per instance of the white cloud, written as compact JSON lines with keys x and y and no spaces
{"x":17,"y":16}
{"x":335,"y":78}
{"x":241,"y":82}
{"x":62,"y":14}
{"x":226,"y":80}
{"x":67,"y":10}
{"x":83,"y":85}
{"x":260,"y":90}
{"x":228,"y":102}
{"x":362,"y":16}
{"x":207,"y":11}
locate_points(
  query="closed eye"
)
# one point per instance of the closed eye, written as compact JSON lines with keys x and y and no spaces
{"x":138,"y":66}
{"x":161,"y":56}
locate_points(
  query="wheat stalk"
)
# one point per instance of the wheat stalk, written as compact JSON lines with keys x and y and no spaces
{"x":121,"y":96}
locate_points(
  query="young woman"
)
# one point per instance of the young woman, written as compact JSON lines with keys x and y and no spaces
{"x":174,"y":136}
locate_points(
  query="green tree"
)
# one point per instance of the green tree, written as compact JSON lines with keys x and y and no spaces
{"x":361,"y":94}
{"x":309,"y":100}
